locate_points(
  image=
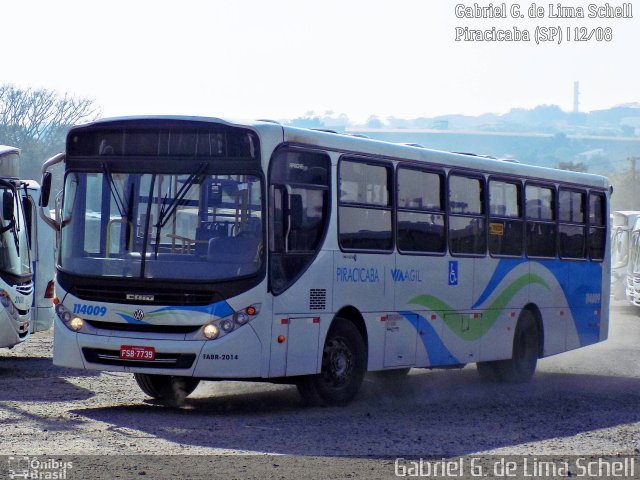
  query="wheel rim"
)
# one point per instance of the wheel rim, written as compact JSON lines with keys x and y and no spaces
{"x":337,"y":363}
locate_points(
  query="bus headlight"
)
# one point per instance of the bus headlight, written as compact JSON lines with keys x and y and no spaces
{"x":60,"y":309}
{"x":226,"y":325}
{"x":8,"y":305}
{"x":73,"y":323}
{"x":210,"y":331}
{"x":76,"y":324}
{"x":241,"y":318}
{"x":222,"y":326}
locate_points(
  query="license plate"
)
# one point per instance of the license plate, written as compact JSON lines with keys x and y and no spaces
{"x":133,"y":352}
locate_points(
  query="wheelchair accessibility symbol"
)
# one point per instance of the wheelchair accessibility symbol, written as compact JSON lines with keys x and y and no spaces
{"x":453,"y":273}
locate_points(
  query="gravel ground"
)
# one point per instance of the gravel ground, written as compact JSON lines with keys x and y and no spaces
{"x":583,"y":402}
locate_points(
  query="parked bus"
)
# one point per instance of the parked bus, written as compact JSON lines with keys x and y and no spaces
{"x":622,"y":225}
{"x":16,"y":285}
{"x":42,"y":243}
{"x":199,"y":249}
{"x":632,"y":280}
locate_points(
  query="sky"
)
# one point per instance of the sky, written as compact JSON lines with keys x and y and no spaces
{"x":282,"y":58}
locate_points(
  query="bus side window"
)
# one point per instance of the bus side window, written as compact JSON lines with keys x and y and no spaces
{"x":597,"y":226}
{"x":365,"y":210}
{"x":420,"y":220}
{"x":505,"y":223}
{"x":541,"y":224}
{"x":467,"y":224}
{"x":571,"y":231}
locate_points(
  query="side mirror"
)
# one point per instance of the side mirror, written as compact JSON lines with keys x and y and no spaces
{"x":8,"y":211}
{"x":45,"y":189}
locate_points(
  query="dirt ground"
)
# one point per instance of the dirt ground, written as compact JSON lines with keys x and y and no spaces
{"x":584,"y":402}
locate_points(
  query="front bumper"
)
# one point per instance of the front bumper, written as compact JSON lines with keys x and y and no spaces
{"x":236,"y":355}
{"x":633,"y":290}
{"x":13,"y":331}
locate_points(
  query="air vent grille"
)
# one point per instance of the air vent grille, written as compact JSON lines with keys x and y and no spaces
{"x":317,"y":299}
{"x":161,"y":296}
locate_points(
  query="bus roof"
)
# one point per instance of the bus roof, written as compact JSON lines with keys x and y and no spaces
{"x":359,"y":145}
{"x":482,"y":163}
{"x":625,"y":218}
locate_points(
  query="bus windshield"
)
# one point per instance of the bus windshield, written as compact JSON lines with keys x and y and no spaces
{"x":634,"y":266}
{"x":14,"y":256}
{"x":620,"y":250}
{"x":164,"y":226}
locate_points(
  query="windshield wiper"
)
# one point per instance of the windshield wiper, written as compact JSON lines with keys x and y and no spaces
{"x":124,"y":210}
{"x":114,"y":191}
{"x":166,"y":214}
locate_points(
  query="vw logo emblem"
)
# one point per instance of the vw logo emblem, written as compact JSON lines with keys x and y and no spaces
{"x":138,"y":314}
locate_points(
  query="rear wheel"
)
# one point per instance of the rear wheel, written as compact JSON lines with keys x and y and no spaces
{"x":172,"y":390}
{"x":344,"y":363}
{"x":489,"y":371}
{"x":524,"y":358}
{"x":526,"y":342}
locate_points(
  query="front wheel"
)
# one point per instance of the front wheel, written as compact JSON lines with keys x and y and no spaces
{"x":344,"y":363}
{"x":169,"y":389}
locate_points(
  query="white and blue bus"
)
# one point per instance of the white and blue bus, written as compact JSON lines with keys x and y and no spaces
{"x":16,"y":276}
{"x":200,"y":249}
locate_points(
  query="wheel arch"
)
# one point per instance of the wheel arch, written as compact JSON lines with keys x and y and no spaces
{"x":353,"y":315}
{"x":533,"y":308}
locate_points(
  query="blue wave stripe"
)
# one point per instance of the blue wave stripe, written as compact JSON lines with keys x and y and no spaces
{"x":219,"y":309}
{"x":130,"y":319}
{"x":437,"y":352}
{"x":586,"y":278}
{"x":503,"y":268}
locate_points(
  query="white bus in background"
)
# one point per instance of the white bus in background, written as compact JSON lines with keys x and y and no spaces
{"x":632,"y":280}
{"x":42,"y":243}
{"x":16,"y":275}
{"x":622,"y":225}
{"x":200,"y":249}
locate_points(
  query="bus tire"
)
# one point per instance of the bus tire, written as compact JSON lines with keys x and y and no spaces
{"x":169,"y":389}
{"x":344,"y":364}
{"x":489,"y":371}
{"x":524,"y":357}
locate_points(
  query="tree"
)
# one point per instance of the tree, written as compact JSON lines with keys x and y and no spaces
{"x":374,"y":122}
{"x":573,"y":166}
{"x":37,"y":121}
